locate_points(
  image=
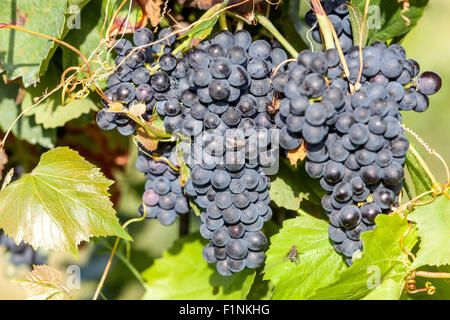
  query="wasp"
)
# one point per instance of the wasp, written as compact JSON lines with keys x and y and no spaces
{"x":292,"y":255}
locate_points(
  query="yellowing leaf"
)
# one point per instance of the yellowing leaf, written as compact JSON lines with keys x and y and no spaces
{"x":298,"y":154}
{"x":44,"y":283}
{"x":62,"y":202}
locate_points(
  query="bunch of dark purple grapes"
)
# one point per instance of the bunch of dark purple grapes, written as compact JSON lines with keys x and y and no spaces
{"x":21,"y":254}
{"x":217,"y":102}
{"x":337,"y":12}
{"x":164,"y":197}
{"x":132,"y":82}
{"x":355,"y":142}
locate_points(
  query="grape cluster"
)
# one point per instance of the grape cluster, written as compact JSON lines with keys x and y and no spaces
{"x":218,"y":96}
{"x":21,"y":254}
{"x":337,"y":12}
{"x":164,"y":196}
{"x":355,"y":143}
{"x":132,"y":83}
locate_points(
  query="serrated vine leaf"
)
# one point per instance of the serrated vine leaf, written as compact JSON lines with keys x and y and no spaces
{"x":22,"y":54}
{"x":181,"y":273}
{"x":317,"y":262}
{"x":62,"y":202}
{"x":359,"y":29}
{"x":380,"y":271}
{"x":50,"y":112}
{"x":44,"y":283}
{"x":433,"y":222}
{"x":385,"y":19}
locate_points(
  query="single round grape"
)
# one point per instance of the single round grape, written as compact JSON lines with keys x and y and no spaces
{"x":371,"y":174}
{"x":237,"y":248}
{"x":343,"y":192}
{"x":254,"y":259}
{"x":393,"y":174}
{"x":222,"y":268}
{"x":231,"y":215}
{"x":220,"y":237}
{"x":349,"y":216}
{"x":236,"y":230}
{"x":208,"y":254}
{"x":384,"y":198}
{"x":369,"y":211}
{"x":166,"y":217}
{"x":428,"y":83}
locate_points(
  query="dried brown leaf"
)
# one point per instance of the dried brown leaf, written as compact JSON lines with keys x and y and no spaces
{"x":152,"y":8}
{"x":298,"y":154}
{"x":44,"y":283}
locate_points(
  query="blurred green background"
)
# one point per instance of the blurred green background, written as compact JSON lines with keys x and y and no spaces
{"x":428,"y":43}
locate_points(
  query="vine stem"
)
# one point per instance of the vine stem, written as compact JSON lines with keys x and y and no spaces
{"x":127,"y":263}
{"x":239,"y":25}
{"x":324,"y":25}
{"x":436,"y":275}
{"x":265,"y":22}
{"x":223,"y":21}
{"x":111,"y":257}
{"x":362,"y":31}
{"x":11,"y":26}
{"x":327,"y":29}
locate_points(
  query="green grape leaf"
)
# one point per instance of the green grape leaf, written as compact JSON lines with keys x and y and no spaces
{"x":420,"y":179}
{"x":200,"y":31}
{"x":26,"y":127}
{"x":288,"y":193}
{"x":181,"y":273}
{"x":284,"y":190}
{"x":356,"y":20}
{"x":22,"y":54}
{"x":385,"y":19}
{"x":62,"y":202}
{"x":433,"y":222}
{"x":379,"y":272}
{"x":50,"y":112}
{"x":317,"y":262}
{"x":88,"y":38}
